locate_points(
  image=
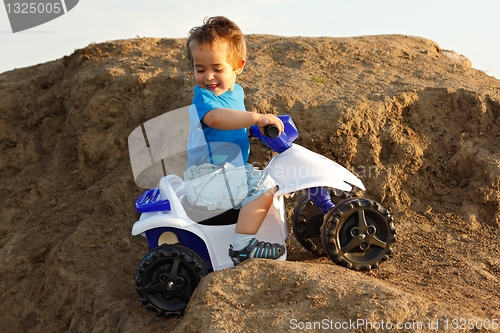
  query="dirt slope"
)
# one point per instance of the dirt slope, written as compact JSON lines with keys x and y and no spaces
{"x":415,"y":122}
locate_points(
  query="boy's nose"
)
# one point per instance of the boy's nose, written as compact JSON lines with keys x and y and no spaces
{"x":209,"y":76}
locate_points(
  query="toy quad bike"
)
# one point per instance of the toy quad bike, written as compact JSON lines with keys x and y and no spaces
{"x":188,"y":242}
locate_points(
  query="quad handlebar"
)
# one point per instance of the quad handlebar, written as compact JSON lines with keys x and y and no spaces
{"x":281,"y":142}
{"x":273,"y":139}
{"x":271,"y":131}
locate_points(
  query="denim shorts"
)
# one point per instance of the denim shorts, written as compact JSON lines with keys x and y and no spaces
{"x":226,"y":186}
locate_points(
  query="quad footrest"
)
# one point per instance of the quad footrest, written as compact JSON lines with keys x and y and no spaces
{"x":149,"y":201}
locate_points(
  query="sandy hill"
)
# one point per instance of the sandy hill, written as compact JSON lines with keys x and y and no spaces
{"x":416,"y":122}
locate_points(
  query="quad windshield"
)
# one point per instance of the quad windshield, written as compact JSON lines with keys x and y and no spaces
{"x":160,"y":146}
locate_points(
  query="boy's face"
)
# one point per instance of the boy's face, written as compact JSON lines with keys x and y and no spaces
{"x":211,"y":69}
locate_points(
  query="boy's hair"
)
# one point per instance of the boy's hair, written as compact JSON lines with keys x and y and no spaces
{"x":215,"y":30}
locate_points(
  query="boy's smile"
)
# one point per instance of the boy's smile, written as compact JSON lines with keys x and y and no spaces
{"x":211,"y":69}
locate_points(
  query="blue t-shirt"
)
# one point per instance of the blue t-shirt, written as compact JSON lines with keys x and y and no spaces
{"x":214,"y":146}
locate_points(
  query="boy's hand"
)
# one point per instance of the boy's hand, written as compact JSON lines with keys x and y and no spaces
{"x":269,"y":119}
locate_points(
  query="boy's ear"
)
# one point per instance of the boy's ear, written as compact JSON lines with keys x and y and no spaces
{"x":239,"y":68}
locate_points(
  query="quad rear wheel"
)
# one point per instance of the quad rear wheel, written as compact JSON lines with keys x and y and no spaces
{"x":307,"y":221}
{"x":167,"y":277}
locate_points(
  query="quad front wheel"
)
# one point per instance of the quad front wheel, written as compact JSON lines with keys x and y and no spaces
{"x":167,"y":277}
{"x":358,"y":233}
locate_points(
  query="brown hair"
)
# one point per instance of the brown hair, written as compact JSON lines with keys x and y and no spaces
{"x":215,"y":30}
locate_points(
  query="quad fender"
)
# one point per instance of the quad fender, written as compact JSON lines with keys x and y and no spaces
{"x":159,"y":220}
{"x":299,"y":168}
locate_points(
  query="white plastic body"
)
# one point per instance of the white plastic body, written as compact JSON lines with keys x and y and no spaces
{"x":299,"y":168}
{"x":295,"y":169}
{"x":274,"y":229}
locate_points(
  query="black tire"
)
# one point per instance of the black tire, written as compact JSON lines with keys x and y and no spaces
{"x":358,"y":234}
{"x":307,"y":221}
{"x":167,"y":277}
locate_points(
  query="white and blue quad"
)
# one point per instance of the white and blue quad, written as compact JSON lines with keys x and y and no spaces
{"x":188,"y":242}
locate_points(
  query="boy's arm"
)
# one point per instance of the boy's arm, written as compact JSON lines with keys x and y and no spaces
{"x":228,"y":119}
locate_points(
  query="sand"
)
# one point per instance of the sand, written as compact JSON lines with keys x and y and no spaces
{"x":415,"y":122}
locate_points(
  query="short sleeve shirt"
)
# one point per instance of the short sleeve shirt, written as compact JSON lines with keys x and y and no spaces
{"x":211,"y":145}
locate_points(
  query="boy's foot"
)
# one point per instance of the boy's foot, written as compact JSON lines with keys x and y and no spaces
{"x":256,"y":249}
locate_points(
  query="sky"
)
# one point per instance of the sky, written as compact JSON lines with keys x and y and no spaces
{"x":466,"y":27}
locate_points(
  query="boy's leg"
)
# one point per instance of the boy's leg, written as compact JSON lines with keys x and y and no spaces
{"x":253,"y":213}
{"x":251,"y":216}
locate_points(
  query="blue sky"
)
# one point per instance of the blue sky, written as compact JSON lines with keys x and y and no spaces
{"x":467,"y":27}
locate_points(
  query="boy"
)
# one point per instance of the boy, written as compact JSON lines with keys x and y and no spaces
{"x":218,"y":175}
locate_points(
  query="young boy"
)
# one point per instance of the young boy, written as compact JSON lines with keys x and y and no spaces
{"x":218,"y":175}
